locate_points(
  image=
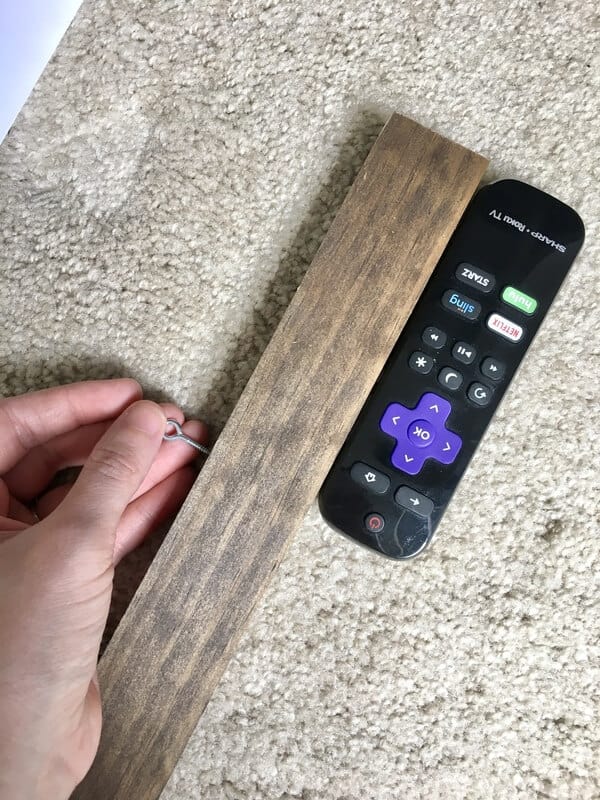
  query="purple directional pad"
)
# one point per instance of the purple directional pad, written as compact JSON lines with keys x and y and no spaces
{"x":420,"y":433}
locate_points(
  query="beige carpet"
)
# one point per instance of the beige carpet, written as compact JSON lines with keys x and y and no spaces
{"x":161,"y":195}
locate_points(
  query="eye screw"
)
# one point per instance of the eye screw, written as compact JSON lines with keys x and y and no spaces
{"x":178,"y":433}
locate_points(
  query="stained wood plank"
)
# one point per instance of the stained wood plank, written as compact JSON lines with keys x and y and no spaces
{"x":182,"y":626}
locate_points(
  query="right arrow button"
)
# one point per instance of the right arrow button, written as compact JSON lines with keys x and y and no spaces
{"x":414,"y":501}
{"x":448,"y":447}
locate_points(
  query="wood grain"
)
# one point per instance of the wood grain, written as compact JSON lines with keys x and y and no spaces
{"x":176,"y":638}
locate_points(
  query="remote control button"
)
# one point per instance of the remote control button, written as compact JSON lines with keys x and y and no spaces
{"x":492,"y":369}
{"x":464,"y":352}
{"x":479,"y":394}
{"x":421,"y":433}
{"x":370,"y":478}
{"x":407,"y":458}
{"x":450,"y":379}
{"x":374,"y":523}
{"x":448,"y":446}
{"x":518,"y":299}
{"x":475,"y":277}
{"x":413,"y":446}
{"x":394,"y":418}
{"x":421,"y":363}
{"x":413,"y":501}
{"x":433,"y":407}
{"x":461,"y":304}
{"x":504,"y":327}
{"x":434,"y":337}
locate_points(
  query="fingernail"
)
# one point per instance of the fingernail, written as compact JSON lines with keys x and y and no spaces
{"x":147,"y":417}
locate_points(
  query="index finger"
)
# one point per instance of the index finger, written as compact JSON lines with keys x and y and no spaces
{"x":28,"y":420}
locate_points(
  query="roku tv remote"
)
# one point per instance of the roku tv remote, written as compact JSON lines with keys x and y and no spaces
{"x":432,"y":403}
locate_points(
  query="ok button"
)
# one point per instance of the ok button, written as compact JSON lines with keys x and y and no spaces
{"x":421,"y":433}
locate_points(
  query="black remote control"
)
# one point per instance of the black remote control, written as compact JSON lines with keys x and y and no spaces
{"x":423,"y":420}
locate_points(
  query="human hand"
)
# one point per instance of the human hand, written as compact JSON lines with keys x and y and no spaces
{"x":56,"y":573}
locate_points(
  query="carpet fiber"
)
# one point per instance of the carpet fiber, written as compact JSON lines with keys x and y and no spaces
{"x":161,"y":195}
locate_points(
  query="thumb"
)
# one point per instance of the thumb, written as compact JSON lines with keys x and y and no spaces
{"x":111,"y":475}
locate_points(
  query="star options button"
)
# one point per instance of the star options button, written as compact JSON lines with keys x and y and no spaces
{"x":421,"y":362}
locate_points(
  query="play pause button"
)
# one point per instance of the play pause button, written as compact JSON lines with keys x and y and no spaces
{"x":464,"y":352}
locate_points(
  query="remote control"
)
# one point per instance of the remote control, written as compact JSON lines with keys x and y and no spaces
{"x":432,"y":402}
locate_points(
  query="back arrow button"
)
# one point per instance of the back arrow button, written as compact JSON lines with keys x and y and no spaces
{"x":369,"y":478}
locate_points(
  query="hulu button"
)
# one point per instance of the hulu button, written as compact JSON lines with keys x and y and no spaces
{"x":519,"y":300}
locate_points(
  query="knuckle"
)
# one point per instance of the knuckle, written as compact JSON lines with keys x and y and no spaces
{"x":113,"y":464}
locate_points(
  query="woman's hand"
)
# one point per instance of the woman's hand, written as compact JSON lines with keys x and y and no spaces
{"x":58,"y":549}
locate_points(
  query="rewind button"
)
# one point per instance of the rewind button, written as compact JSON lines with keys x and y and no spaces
{"x":434,"y":337}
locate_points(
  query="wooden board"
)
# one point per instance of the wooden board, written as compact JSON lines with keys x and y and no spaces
{"x":176,"y":638}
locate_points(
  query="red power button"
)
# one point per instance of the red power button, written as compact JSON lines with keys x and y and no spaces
{"x":374,"y":523}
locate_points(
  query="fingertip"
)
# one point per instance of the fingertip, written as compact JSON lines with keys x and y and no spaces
{"x":146,"y":416}
{"x":135,"y":386}
{"x":171,"y":411}
{"x":197,"y":429}
{"x":129,"y":387}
